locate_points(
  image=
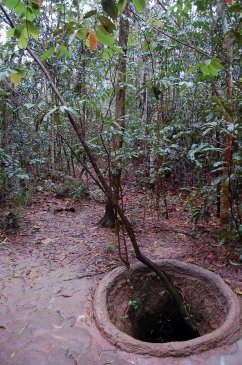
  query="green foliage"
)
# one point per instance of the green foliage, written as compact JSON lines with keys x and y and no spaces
{"x":107,"y":24}
{"x":47,"y":54}
{"x":17,"y":75}
{"x":225,"y":236}
{"x":121,"y":5}
{"x":89,"y":14}
{"x":110,"y":8}
{"x":133,"y":304}
{"x":201,"y":211}
{"x":177,"y":58}
{"x":11,"y":177}
{"x":139,"y":5}
{"x":12,"y":220}
{"x":209,"y":67}
{"x":21,"y":197}
{"x":70,"y":188}
{"x":97,"y":195}
{"x":104,"y":37}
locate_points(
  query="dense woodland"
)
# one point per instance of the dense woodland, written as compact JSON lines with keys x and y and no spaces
{"x":118,"y":95}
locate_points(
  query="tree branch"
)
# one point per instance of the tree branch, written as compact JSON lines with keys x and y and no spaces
{"x":172,"y":37}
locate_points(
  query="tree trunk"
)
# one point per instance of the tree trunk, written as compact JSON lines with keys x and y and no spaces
{"x":115,"y":177}
{"x":52,"y":150}
{"x":5,"y":144}
{"x":225,"y":215}
{"x":109,"y":217}
{"x":143,"y":98}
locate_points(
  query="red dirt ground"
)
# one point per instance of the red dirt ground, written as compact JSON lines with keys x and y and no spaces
{"x":52,"y":264}
{"x":56,"y":239}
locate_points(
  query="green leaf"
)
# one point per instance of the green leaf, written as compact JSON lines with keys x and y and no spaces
{"x":236,"y":8}
{"x":30,"y":15}
{"x":107,"y":24}
{"x":69,"y":28}
{"x":157,"y":23}
{"x":64,"y":50}
{"x":204,"y":69}
{"x":201,"y":4}
{"x":212,"y":70}
{"x":117,"y":50}
{"x":82,"y":33}
{"x":217,"y":63}
{"x":57,"y":31}
{"x":89,"y":14}
{"x":11,"y":4}
{"x":23,"y":41}
{"x":238,"y":37}
{"x":18,"y":32}
{"x":20,"y":8}
{"x":20,"y":70}
{"x":3,"y":92}
{"x":32,"y":30}
{"x":139,"y":5}
{"x":107,"y":53}
{"x":187,"y":8}
{"x":121,"y":5}
{"x":15,"y":77}
{"x":110,"y":8}
{"x":209,"y":67}
{"x":48,"y":53}
{"x":201,"y":24}
{"x":194,"y":68}
{"x":104,"y":37}
{"x":10,"y":32}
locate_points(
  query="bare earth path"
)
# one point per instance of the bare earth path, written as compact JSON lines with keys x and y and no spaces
{"x":50,"y":268}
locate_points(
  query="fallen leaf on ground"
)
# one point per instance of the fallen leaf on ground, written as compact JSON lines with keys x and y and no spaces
{"x":238,"y":291}
{"x":23,"y":329}
{"x":4,"y":241}
{"x":55,"y":326}
{"x":33,"y":273}
{"x":45,"y":241}
{"x":211,"y":268}
{"x":35,"y":228}
{"x":59,"y":338}
{"x":191,"y":260}
{"x":227,"y":281}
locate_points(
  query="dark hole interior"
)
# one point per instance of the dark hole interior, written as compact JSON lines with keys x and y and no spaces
{"x":161,"y":323}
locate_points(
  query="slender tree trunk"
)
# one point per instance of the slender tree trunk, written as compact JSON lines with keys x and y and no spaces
{"x":115,"y":177}
{"x":5,"y":127}
{"x":214,"y":94}
{"x":5,"y":142}
{"x":52,"y":151}
{"x":73,"y":165}
{"x":143,"y":101}
{"x":225,"y":215}
{"x":52,"y":139}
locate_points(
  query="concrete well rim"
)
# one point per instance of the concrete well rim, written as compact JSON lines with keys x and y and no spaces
{"x":226,"y":334}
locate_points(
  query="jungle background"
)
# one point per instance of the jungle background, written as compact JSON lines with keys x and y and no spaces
{"x":153,"y":90}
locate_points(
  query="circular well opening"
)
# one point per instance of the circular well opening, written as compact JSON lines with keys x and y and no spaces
{"x":135,"y":313}
{"x":158,"y":322}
